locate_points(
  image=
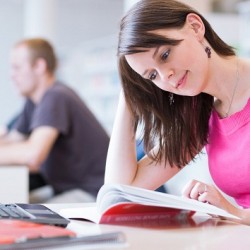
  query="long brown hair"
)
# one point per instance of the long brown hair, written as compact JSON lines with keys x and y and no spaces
{"x":179,"y":129}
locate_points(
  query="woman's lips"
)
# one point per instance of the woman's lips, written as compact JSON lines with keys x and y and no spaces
{"x":182,"y":81}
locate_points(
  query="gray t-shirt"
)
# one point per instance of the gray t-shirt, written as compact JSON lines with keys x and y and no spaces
{"x":77,"y":159}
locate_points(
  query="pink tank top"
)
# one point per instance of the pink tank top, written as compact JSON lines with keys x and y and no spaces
{"x":228,"y":152}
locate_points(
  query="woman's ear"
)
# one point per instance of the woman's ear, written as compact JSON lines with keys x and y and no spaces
{"x":195,"y":23}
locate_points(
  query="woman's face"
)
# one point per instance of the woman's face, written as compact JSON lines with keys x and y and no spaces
{"x":180,"y":69}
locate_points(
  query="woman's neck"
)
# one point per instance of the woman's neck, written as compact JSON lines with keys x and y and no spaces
{"x":226,"y":85}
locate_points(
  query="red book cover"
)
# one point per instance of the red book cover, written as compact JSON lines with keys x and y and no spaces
{"x":135,"y":214}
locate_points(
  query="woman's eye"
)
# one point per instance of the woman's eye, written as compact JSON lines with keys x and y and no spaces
{"x":152,"y":76}
{"x":165,"y":55}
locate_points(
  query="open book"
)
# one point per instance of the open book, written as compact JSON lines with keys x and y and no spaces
{"x":122,"y":204}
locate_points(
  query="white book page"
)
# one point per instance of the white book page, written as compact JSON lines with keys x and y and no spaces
{"x":149,"y":197}
{"x":107,"y":196}
{"x":88,"y":213}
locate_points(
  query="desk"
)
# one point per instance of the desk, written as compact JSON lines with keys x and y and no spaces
{"x":14,"y":184}
{"x":219,"y":235}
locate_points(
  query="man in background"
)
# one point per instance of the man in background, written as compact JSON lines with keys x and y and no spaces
{"x":56,"y":135}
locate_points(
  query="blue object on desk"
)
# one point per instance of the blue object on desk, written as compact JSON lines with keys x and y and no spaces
{"x":140,"y":153}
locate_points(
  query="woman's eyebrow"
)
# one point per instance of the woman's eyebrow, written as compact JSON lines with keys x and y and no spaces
{"x":144,"y":73}
{"x":154,"y":55}
{"x":156,"y":51}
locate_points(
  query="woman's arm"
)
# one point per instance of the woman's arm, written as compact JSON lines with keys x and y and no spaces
{"x":122,"y":166}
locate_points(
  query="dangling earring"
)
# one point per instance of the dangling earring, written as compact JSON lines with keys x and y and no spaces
{"x":171,"y":98}
{"x":208,"y":51}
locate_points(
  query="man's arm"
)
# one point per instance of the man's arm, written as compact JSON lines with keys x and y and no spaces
{"x":3,"y":131}
{"x":12,"y":136}
{"x":31,"y":151}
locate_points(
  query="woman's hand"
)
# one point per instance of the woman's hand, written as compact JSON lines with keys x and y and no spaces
{"x":206,"y":193}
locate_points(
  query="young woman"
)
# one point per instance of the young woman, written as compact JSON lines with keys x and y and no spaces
{"x":187,"y":89}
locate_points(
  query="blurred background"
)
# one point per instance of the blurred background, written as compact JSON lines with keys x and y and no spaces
{"x":84,"y":34}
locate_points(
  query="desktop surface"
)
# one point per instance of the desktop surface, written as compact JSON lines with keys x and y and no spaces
{"x":207,"y":234}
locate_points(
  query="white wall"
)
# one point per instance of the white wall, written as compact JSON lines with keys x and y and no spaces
{"x":11,"y":27}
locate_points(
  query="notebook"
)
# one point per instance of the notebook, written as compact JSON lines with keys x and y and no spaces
{"x":23,"y":235}
{"x":32,"y":212}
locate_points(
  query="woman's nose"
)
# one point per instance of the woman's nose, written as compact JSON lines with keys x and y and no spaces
{"x":166,"y":75}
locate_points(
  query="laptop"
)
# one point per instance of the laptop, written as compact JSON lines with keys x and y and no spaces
{"x":32,"y":212}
